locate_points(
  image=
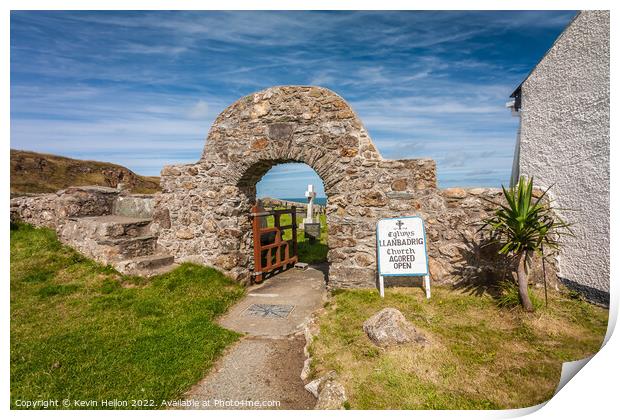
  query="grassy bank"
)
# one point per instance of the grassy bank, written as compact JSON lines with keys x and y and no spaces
{"x":33,"y":172}
{"x":480,"y":356}
{"x":80,"y":331}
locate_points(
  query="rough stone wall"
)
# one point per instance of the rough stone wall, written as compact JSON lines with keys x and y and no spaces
{"x":202,"y":212}
{"x":452,"y":217}
{"x":459,"y":252}
{"x":203,"y":209}
{"x":565,"y":144}
{"x":136,"y":205}
{"x":52,"y":210}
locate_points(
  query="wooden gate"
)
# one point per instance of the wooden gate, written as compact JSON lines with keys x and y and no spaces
{"x":271,"y":252}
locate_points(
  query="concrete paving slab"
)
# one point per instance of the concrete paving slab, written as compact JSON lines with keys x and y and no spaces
{"x":304,"y":291}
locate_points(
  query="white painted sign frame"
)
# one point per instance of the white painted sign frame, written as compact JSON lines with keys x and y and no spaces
{"x":426,"y":275}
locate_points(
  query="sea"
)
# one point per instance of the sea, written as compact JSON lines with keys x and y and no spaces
{"x":321,"y":201}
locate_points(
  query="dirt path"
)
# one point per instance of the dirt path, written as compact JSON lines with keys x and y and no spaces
{"x":262,"y":370}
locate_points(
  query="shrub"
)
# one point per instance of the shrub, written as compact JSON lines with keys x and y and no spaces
{"x":524,"y":226}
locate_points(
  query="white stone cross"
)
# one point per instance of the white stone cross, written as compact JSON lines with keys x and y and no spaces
{"x":310,"y":194}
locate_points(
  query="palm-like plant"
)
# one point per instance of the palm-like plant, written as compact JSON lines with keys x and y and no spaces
{"x":525,"y":225}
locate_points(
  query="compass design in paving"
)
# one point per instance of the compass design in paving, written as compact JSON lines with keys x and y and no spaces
{"x":269,"y":311}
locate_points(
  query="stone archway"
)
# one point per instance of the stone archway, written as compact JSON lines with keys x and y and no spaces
{"x":202,"y":212}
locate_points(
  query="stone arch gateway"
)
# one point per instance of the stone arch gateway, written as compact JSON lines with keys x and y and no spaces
{"x":202,"y":214}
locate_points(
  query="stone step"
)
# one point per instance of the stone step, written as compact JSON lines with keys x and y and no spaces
{"x":146,"y":266}
{"x":124,"y":242}
{"x":128,"y":247}
{"x":107,"y":227}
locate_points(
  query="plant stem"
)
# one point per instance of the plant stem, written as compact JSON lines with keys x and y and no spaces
{"x":522,"y":278}
{"x":542,"y":251}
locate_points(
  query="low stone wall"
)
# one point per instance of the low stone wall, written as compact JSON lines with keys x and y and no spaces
{"x":135,"y":205}
{"x":301,"y":207}
{"x":52,"y":210}
{"x":458,"y":251}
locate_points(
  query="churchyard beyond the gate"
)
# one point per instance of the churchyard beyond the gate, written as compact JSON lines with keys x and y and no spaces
{"x":309,"y":252}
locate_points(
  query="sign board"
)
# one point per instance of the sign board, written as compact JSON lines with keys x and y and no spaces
{"x":401,"y":249}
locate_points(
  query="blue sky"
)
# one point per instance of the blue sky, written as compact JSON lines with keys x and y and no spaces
{"x":142,"y":88}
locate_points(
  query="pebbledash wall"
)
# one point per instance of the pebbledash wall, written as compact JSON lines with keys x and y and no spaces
{"x":564,"y":144}
{"x":201,"y":215}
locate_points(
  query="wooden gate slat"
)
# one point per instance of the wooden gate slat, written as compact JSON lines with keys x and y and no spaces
{"x":278,"y":245}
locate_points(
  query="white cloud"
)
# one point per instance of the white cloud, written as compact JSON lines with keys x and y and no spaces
{"x":199,"y":111}
{"x":130,"y":87}
{"x":154,"y":49}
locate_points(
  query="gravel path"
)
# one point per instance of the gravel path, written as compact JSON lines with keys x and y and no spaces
{"x":262,"y":370}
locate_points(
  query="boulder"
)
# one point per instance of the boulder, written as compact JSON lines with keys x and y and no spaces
{"x":389,"y":327}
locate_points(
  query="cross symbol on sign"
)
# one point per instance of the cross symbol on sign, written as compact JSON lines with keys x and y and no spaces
{"x":399,"y":224}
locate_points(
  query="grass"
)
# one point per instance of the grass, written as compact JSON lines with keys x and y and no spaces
{"x":84,"y":332}
{"x":309,"y":252}
{"x":481,"y":356}
{"x":508,"y":296}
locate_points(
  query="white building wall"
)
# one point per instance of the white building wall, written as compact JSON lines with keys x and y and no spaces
{"x":564,"y":143}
